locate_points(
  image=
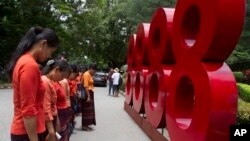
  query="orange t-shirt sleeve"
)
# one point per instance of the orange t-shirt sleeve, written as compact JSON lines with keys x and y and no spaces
{"x":29,"y":78}
{"x":72,"y":86}
{"x":85,"y":80}
{"x":47,"y":104}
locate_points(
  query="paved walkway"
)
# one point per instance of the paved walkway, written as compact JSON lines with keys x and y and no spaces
{"x":113,"y":123}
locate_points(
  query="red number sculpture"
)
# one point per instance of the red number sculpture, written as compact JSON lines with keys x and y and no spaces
{"x":131,"y":52}
{"x":180,"y":71}
{"x":131,"y":67}
{"x":141,"y":47}
{"x":202,"y":100}
{"x":155,"y":95}
{"x":160,"y":50}
{"x":129,"y":87}
{"x":139,"y":90}
{"x":160,"y":37}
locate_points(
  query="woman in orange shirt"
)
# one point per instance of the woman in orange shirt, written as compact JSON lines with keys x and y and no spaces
{"x":28,"y":121}
{"x":54,"y":71}
{"x":65,"y":85}
{"x":88,"y":105}
{"x":63,"y":108}
{"x":72,"y":88}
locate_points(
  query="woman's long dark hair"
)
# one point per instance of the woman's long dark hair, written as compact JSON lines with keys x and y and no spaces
{"x":74,"y":68}
{"x":51,"y":64}
{"x":34,"y":35}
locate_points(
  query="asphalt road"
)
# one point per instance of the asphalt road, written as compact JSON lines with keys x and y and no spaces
{"x":113,"y":123}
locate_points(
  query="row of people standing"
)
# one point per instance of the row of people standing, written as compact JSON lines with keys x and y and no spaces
{"x":56,"y":99}
{"x":41,"y":104}
{"x":65,"y":89}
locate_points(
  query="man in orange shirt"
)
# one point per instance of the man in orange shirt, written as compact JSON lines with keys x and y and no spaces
{"x":88,"y":105}
{"x":37,"y":45}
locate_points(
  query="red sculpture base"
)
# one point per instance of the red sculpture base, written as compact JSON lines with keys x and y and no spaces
{"x":151,"y":131}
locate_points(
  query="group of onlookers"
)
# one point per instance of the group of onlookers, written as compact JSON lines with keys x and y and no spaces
{"x":115,"y":80}
{"x":46,"y":101}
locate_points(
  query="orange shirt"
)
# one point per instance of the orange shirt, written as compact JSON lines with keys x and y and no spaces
{"x":28,"y":94}
{"x":64,"y":83}
{"x":88,"y":81}
{"x":72,"y":87}
{"x":79,"y":77}
{"x":61,"y":96}
{"x":50,"y":98}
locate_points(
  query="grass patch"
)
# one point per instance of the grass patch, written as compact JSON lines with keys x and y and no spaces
{"x":243,"y":115}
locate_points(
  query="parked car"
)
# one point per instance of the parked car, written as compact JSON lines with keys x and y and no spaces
{"x":100,"y":79}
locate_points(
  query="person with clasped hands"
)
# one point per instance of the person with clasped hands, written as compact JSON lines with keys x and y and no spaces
{"x":88,"y":106}
{"x":37,"y":45}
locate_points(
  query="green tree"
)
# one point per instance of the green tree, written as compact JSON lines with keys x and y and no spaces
{"x":18,"y":16}
{"x":240,"y":58}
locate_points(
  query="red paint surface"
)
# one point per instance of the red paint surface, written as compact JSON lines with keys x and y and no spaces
{"x":139,"y":90}
{"x":129,"y":87}
{"x":131,"y":52}
{"x":160,"y":37}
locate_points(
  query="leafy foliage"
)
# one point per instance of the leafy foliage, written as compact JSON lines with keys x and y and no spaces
{"x":240,"y":58}
{"x":92,"y":30}
{"x":240,"y":77}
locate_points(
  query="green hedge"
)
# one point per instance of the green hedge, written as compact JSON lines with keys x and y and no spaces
{"x":244,"y":91}
{"x":243,"y":115}
{"x":239,"y":76}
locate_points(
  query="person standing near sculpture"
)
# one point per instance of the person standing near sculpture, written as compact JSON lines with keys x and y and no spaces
{"x":37,"y":45}
{"x":116,"y":76}
{"x":110,"y":79}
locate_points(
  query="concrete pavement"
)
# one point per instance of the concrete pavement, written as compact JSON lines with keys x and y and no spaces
{"x":6,"y":113}
{"x":113,"y":123}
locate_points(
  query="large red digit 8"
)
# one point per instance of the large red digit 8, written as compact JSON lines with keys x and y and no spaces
{"x":202,"y":100}
{"x":161,"y":60}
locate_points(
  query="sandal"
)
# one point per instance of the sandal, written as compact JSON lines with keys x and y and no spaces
{"x":85,"y":128}
{"x":89,"y":128}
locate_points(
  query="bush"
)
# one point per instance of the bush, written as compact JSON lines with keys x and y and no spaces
{"x":239,"y":76}
{"x":247,"y":75}
{"x":122,"y":87}
{"x":243,"y":115}
{"x":244,"y":91}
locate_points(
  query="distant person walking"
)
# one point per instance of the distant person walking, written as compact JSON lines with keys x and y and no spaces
{"x":116,"y":76}
{"x":88,"y":105}
{"x":37,"y":45}
{"x":110,"y":79}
